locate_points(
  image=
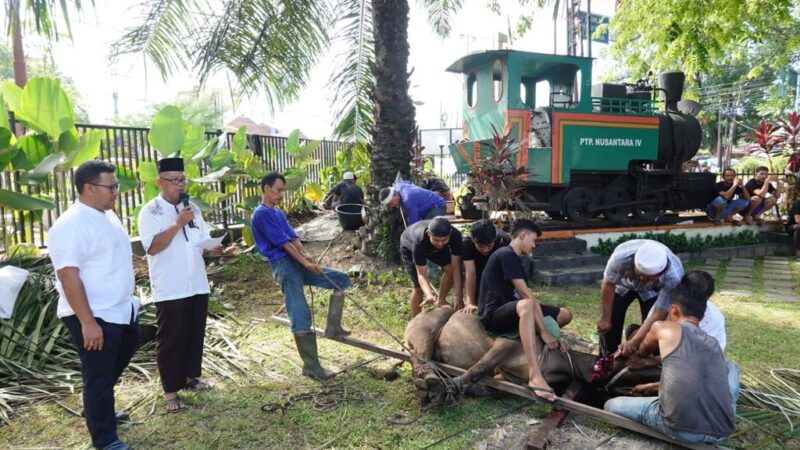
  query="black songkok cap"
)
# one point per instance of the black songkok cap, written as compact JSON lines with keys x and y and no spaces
{"x":170,"y":165}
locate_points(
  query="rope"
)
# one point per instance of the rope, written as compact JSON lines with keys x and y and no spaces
{"x":325,"y":399}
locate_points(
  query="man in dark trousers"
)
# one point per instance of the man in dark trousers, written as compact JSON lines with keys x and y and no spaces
{"x":763,"y":195}
{"x":172,"y":233}
{"x":484,"y":240}
{"x":439,"y":242}
{"x":698,"y":389}
{"x":344,"y":192}
{"x":501,"y":312}
{"x":91,"y":254}
{"x":639,"y":269}
{"x":293,"y":267}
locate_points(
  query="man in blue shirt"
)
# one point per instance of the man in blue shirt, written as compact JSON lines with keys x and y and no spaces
{"x":293,"y":267}
{"x":418,"y":203}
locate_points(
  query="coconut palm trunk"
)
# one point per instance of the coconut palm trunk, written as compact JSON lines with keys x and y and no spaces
{"x":393,"y":133}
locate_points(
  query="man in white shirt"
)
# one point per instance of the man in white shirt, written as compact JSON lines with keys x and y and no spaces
{"x":701,"y":284}
{"x":91,"y":254}
{"x":172,"y":232}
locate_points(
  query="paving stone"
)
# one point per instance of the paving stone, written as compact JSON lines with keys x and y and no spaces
{"x":735,"y":292}
{"x":772,"y":278}
{"x":777,"y":265}
{"x":740,"y":263}
{"x":783,"y":298}
{"x":773,"y":287}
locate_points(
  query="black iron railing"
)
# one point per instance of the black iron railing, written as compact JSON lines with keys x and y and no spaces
{"x":127,"y":147}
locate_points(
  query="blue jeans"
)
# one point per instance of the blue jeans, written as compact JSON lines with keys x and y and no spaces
{"x":647,"y":410}
{"x":731,"y":206}
{"x":292,"y":277}
{"x":100,"y":370}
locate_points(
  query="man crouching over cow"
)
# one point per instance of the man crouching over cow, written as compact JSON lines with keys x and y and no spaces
{"x":500,"y":312}
{"x":697,"y":393}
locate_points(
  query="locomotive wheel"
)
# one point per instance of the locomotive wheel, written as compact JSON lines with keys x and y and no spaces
{"x":577,"y":203}
{"x":617,"y":194}
{"x":648,"y":213}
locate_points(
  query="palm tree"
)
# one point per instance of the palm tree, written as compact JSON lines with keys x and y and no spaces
{"x":42,"y":20}
{"x":394,"y":130}
{"x":270,"y":47}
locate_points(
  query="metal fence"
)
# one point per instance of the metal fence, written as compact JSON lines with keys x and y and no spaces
{"x":127,"y":147}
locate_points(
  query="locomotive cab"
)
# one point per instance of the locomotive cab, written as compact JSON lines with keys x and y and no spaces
{"x":587,"y":150}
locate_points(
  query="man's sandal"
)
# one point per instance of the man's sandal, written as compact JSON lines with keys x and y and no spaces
{"x":175,"y":405}
{"x":197,"y":385}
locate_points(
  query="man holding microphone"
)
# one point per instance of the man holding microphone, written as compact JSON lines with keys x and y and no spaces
{"x":173,"y":234}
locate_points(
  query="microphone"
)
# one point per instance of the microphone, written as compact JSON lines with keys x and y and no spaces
{"x":185,"y":200}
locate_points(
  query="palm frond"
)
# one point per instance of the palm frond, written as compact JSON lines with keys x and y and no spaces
{"x":39,"y":15}
{"x":353,"y":83}
{"x":769,"y":408}
{"x":38,"y":361}
{"x":440,"y":14}
{"x":166,"y":28}
{"x":270,"y":47}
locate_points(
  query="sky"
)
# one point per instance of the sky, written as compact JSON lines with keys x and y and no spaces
{"x":137,"y":84}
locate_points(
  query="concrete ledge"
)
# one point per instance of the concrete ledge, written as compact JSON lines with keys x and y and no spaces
{"x":742,"y":251}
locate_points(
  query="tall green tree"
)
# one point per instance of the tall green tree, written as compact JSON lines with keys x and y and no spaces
{"x":702,"y":37}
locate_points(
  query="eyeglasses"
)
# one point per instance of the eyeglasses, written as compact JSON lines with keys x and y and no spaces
{"x":111,"y":187}
{"x":176,"y":181}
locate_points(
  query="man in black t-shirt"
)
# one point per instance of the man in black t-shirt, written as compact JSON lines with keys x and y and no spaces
{"x":346,"y":191}
{"x":484,"y":240}
{"x":500,"y":312}
{"x":793,"y":226}
{"x":730,"y":199}
{"x":758,"y":188}
{"x":439,"y":242}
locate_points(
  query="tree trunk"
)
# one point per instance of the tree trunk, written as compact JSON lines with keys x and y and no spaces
{"x":20,"y":70}
{"x":393,"y":133}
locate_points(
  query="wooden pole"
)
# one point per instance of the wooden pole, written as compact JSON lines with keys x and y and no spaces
{"x":521,"y":391}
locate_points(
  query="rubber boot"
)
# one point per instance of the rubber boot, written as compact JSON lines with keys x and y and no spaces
{"x":334,"y":326}
{"x":307,"y":348}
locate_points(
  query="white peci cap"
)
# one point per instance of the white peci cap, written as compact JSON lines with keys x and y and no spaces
{"x":348,"y":176}
{"x":651,"y":258}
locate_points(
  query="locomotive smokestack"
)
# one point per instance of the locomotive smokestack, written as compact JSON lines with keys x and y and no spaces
{"x":671,"y":84}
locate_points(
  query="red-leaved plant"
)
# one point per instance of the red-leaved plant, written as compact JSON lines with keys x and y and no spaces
{"x":790,"y":128}
{"x":766,"y":140}
{"x":496,"y":179}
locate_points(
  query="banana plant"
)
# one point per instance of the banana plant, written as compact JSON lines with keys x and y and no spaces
{"x":297,"y":181}
{"x":51,"y":142}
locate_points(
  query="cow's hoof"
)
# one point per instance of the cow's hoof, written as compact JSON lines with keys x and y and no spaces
{"x":421,"y":387}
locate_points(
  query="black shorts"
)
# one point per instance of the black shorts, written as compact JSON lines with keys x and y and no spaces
{"x":506,"y":320}
{"x":407,"y":259}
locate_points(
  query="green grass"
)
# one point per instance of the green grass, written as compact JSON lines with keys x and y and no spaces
{"x":370,"y":413}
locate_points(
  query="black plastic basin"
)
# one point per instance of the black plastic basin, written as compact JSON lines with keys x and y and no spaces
{"x":350,"y":215}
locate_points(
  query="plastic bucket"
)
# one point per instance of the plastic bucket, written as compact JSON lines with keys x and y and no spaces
{"x":350,"y":215}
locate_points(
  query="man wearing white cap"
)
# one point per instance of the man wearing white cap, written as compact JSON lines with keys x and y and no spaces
{"x":639,"y":269}
{"x":344,"y":192}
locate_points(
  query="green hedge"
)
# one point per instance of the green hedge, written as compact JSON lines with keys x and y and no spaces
{"x":679,"y":243}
